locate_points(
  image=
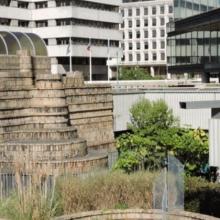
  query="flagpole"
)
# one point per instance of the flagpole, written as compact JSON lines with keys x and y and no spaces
{"x":90,"y":61}
{"x":70,"y":58}
{"x":108,"y":59}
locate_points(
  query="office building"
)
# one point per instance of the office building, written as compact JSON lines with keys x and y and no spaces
{"x":144,"y":33}
{"x":194,"y":39}
{"x":90,"y":24}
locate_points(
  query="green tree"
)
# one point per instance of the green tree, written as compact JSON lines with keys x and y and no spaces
{"x":134,"y":73}
{"x":153,"y":131}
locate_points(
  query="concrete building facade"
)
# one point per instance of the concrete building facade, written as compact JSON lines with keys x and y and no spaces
{"x":144,"y":33}
{"x":85,"y":22}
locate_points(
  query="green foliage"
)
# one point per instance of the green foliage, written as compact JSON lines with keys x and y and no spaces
{"x":135,"y":73}
{"x":198,"y":192}
{"x":154,"y":130}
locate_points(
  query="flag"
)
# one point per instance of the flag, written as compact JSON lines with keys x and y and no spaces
{"x":89,"y":45}
{"x":68,"y":48}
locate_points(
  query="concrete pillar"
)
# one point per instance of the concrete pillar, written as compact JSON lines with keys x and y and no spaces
{"x":152,"y":71}
{"x":25,"y":61}
{"x":14,"y":4}
{"x":51,"y":23}
{"x":205,"y":77}
{"x":51,"y":4}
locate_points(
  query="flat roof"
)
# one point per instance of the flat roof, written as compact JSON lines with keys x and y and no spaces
{"x":208,"y":21}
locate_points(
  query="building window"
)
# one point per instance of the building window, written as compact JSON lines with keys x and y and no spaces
{"x":138,"y":34}
{"x":130,"y":23}
{"x":129,"y":12}
{"x":23,"y":23}
{"x":154,"y":21}
{"x":130,"y":35}
{"x":122,"y":13}
{"x":122,"y":24}
{"x":130,"y":57}
{"x":138,"y":57}
{"x":154,"y":33}
{"x":146,"y":57}
{"x":138,"y":12}
{"x":154,"y":10}
{"x":130,"y":46}
{"x":146,"y":45}
{"x":162,"y":44}
{"x":145,"y":34}
{"x":154,"y":56}
{"x":41,"y":23}
{"x":145,"y":11}
{"x":22,"y":4}
{"x":162,"y":21}
{"x":154,"y":45}
{"x":170,"y":9}
{"x":161,"y":9}
{"x":162,"y":56}
{"x":138,"y":46}
{"x":162,"y":33}
{"x":5,"y":21}
{"x":137,"y":23}
{"x":41,"y":5}
{"x":5,"y":2}
{"x":145,"y":22}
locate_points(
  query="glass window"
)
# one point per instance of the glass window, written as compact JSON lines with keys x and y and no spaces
{"x":138,"y":11}
{"x":146,"y":57}
{"x":145,"y":34}
{"x":162,"y":56}
{"x":130,"y":23}
{"x":130,"y":57}
{"x":146,"y":22}
{"x":138,"y":57}
{"x":130,"y":35}
{"x":137,"y":23}
{"x":154,"y":56}
{"x":154,"y":10}
{"x":145,"y":11}
{"x":170,"y":9}
{"x":162,"y":33}
{"x":146,"y":45}
{"x":154,"y":45}
{"x":138,"y":35}
{"x":154,"y":21}
{"x":129,"y":12}
{"x":161,"y":9}
{"x":130,"y":46}
{"x":162,"y":21}
{"x":138,"y":46}
{"x":154,"y":33}
{"x":162,"y":44}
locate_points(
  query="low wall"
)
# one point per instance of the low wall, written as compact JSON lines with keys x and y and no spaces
{"x":134,"y":214}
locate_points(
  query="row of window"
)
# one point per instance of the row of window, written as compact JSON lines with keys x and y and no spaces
{"x":154,"y":11}
{"x":63,"y":22}
{"x":85,"y":41}
{"x":60,"y":3}
{"x":145,"y":45}
{"x":154,"y":56}
{"x":145,"y":23}
{"x":145,"y":34}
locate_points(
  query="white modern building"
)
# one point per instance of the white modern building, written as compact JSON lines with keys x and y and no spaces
{"x":58,"y":21}
{"x":144,"y":33}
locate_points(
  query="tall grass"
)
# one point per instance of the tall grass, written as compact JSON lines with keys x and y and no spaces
{"x":105,"y":191}
{"x":98,"y":191}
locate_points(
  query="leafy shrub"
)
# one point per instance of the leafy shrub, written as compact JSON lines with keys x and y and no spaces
{"x":202,"y":196}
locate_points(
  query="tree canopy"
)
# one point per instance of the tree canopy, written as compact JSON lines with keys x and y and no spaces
{"x":153,"y":131}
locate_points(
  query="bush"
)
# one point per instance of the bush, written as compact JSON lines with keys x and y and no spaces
{"x":202,"y":196}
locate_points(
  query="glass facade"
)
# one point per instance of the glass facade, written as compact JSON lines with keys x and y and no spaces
{"x":11,"y":42}
{"x":187,"y":8}
{"x":196,"y":47}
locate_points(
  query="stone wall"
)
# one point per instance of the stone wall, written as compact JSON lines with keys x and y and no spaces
{"x":134,"y":214}
{"x":51,"y":121}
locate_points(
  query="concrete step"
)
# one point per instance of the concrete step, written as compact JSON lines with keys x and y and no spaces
{"x":27,"y":151}
{"x":40,"y":135}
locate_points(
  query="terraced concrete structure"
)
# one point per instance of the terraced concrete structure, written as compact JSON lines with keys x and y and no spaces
{"x":52,"y":122}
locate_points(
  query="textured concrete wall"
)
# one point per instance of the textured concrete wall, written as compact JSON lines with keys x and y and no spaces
{"x":50,"y":121}
{"x":135,"y":214}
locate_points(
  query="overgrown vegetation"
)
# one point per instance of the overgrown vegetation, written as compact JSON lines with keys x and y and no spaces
{"x":106,"y":190}
{"x":153,"y":131}
{"x":135,"y":73}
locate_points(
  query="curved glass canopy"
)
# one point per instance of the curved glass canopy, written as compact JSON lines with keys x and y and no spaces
{"x":10,"y":42}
